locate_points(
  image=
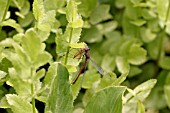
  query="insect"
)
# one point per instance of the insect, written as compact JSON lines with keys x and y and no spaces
{"x":85,"y":52}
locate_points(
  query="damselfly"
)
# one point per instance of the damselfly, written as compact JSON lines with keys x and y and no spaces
{"x":85,"y":52}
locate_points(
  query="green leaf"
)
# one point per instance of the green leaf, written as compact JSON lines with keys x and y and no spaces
{"x":137,"y":55}
{"x":108,"y":63}
{"x":38,"y":9}
{"x":54,"y":4}
{"x":25,"y":8}
{"x":138,"y":22}
{"x":16,"y":80}
{"x":42,"y":59}
{"x":164,"y":62}
{"x":86,"y":7}
{"x":148,"y":85}
{"x":139,"y":94}
{"x":162,"y":8}
{"x":90,"y":77}
{"x":2,"y":74}
{"x":134,"y":70}
{"x":78,"y":45}
{"x":141,"y":107}
{"x":147,"y":35}
{"x":108,"y":100}
{"x":76,"y":87}
{"x":24,"y":22}
{"x":107,"y":27}
{"x":132,"y":12}
{"x":122,"y":64}
{"x":39,"y":74}
{"x":60,"y":99}
{"x":153,"y":48}
{"x":167,"y":94}
{"x":12,"y":23}
{"x":51,"y":73}
{"x":101,"y":13}
{"x":3,"y":6}
{"x":72,"y":15}
{"x":32,"y":45}
{"x":19,"y":105}
{"x":4,"y":103}
{"x":120,"y":80}
{"x":92,"y":35}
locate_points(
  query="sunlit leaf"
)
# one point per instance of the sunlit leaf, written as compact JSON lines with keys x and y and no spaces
{"x":19,"y":105}
{"x":12,"y":23}
{"x":122,"y":65}
{"x":2,"y":74}
{"x":162,"y":8}
{"x":32,"y":45}
{"x":38,"y":9}
{"x":3,"y":5}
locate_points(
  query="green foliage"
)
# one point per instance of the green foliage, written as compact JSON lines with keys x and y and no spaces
{"x":129,"y":39}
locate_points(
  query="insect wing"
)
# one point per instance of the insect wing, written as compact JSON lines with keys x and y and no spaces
{"x":100,"y":70}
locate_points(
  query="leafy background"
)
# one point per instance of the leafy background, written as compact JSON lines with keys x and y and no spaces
{"x":129,"y":39}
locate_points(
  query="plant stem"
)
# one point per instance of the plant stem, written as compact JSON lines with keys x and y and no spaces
{"x":162,"y":35}
{"x":167,"y":14}
{"x":68,"y":48}
{"x":6,"y":10}
{"x":32,"y":92}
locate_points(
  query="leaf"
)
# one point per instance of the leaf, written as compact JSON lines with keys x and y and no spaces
{"x":43,"y":58}
{"x":134,"y":70}
{"x":164,"y":62}
{"x":101,"y":13}
{"x":3,"y":6}
{"x":24,"y":22}
{"x":54,"y":4}
{"x":162,"y":8}
{"x":139,"y":22}
{"x":51,"y":74}
{"x":108,"y":63}
{"x":2,"y":74}
{"x":19,"y":105}
{"x":76,"y":87}
{"x":167,"y":94}
{"x":148,"y":85}
{"x":147,"y":35}
{"x":78,"y":45}
{"x":90,"y":77}
{"x":153,"y":48}
{"x":122,"y":64}
{"x":32,"y":45}
{"x":120,"y":80}
{"x":60,"y":99}
{"x":24,"y":90}
{"x":108,"y":100}
{"x":92,"y":35}
{"x":107,"y":27}
{"x":86,"y":7}
{"x":167,"y":89}
{"x":137,"y":55}
{"x":141,"y":108}
{"x":72,"y":15}
{"x":38,"y":9}
{"x":12,"y":23}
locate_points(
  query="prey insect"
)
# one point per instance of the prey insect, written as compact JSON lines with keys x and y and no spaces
{"x":85,"y":52}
